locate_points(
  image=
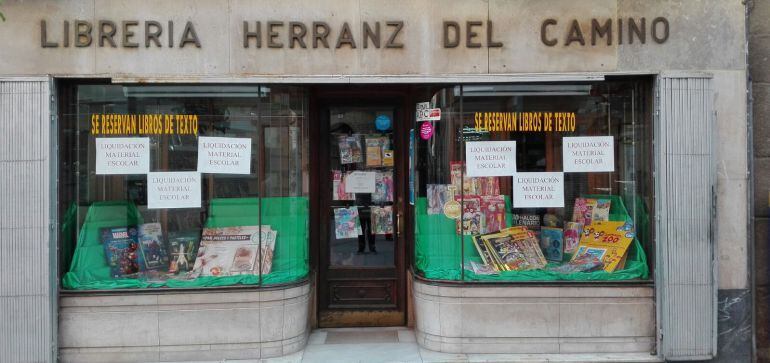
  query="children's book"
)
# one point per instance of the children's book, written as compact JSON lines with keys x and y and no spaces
{"x":572,"y":232}
{"x":383,"y":187}
{"x":346,"y":223}
{"x":607,"y":240}
{"x":153,"y":253}
{"x":121,"y":250}
{"x":601,"y":211}
{"x":552,"y":243}
{"x":438,"y":195}
{"x":583,"y":263}
{"x":338,"y":187}
{"x":373,"y":151}
{"x":382,"y":220}
{"x":493,"y":207}
{"x":183,"y":247}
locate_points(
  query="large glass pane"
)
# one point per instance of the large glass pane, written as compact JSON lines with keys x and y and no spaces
{"x":553,"y":183}
{"x":361,"y":159}
{"x":197,"y":214}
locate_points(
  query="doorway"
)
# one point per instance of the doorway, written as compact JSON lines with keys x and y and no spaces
{"x":361,"y":258}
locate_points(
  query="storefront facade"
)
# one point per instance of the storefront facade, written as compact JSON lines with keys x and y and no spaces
{"x":212,"y":180}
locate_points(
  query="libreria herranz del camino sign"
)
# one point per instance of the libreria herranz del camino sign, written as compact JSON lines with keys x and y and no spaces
{"x":368,"y":34}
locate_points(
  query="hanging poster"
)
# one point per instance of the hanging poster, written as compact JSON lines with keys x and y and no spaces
{"x":538,"y":190}
{"x":180,"y":189}
{"x":490,"y":158}
{"x":122,"y":155}
{"x":360,"y":182}
{"x":224,"y":155}
{"x":586,"y":154}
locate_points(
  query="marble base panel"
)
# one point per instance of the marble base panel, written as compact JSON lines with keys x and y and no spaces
{"x":184,"y":326}
{"x":522,"y":319}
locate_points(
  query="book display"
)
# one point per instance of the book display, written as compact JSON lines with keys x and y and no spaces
{"x":234,"y":251}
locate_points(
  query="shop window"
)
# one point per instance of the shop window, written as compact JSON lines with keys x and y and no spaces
{"x":182,"y":186}
{"x":534,"y":182}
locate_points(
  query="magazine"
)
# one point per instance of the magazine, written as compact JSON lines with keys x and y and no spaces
{"x":383,"y":187}
{"x":493,"y":207}
{"x":608,"y":241}
{"x":346,"y":223}
{"x":572,"y":232}
{"x":121,"y":250}
{"x":552,"y":243}
{"x":218,"y":248}
{"x":513,"y":249}
{"x":183,"y":247}
{"x":338,"y":187}
{"x":438,"y":195}
{"x":350,"y":149}
{"x":152,"y":252}
{"x":382,"y":220}
{"x":373,"y":151}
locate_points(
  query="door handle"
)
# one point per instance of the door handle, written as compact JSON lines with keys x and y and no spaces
{"x":398,"y":224}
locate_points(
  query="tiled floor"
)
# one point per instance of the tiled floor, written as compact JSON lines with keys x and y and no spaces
{"x":381,"y":345}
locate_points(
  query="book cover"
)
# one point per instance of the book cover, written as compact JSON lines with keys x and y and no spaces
{"x":382,"y":220}
{"x":607,"y":240}
{"x":601,"y":211}
{"x":387,"y":157}
{"x":489,"y":185}
{"x":350,"y":149}
{"x":572,"y":232}
{"x":484,"y":253}
{"x":244,"y":258}
{"x":267,"y":243}
{"x":183,"y":247}
{"x":346,"y":223}
{"x":338,"y":187}
{"x":456,"y":175}
{"x":383,"y":187}
{"x":584,"y":263}
{"x":552,"y":243}
{"x":153,"y":255}
{"x":121,"y":250}
{"x":493,"y":207}
{"x":472,"y":221}
{"x":587,"y":210}
{"x":373,"y":151}
{"x":528,"y":243}
{"x":218,"y":249}
{"x":438,"y":195}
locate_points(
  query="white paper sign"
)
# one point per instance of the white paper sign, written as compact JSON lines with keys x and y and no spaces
{"x":122,"y":155}
{"x":538,"y":190}
{"x":360,"y":182}
{"x":174,"y":190}
{"x":224,"y":155}
{"x":588,"y":154}
{"x":490,"y":158}
{"x":425,"y":113}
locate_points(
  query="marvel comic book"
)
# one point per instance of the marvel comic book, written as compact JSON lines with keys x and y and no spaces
{"x":121,"y":250}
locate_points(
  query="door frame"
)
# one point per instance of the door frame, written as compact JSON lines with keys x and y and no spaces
{"x":321,"y":100}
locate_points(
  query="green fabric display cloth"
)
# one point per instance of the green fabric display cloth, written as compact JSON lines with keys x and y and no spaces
{"x":439,"y":251}
{"x":287,"y":215}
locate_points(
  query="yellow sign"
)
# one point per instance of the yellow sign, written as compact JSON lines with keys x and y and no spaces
{"x":524,"y":121}
{"x":144,"y":124}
